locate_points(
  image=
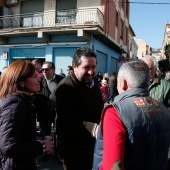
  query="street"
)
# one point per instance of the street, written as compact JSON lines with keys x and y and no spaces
{"x":49,"y":164}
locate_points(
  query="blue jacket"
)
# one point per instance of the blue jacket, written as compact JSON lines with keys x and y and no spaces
{"x":148,"y":130}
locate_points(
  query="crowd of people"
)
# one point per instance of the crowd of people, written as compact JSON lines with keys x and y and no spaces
{"x":100,"y":122}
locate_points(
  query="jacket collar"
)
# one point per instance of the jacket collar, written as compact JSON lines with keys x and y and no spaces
{"x":155,"y":82}
{"x":81,"y":83}
{"x":135,"y":92}
{"x":44,"y":81}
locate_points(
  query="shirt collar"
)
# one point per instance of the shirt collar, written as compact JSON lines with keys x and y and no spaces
{"x":50,"y":79}
{"x":91,"y":84}
{"x":155,"y":81}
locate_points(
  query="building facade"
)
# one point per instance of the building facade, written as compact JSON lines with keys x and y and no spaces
{"x":156,"y":52}
{"x":143,"y":48}
{"x":51,"y":30}
{"x":166,"y":39}
{"x":133,"y":47}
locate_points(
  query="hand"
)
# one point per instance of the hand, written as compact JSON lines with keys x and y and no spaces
{"x":49,"y":143}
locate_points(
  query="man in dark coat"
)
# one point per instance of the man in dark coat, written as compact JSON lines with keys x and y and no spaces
{"x":79,"y":106}
{"x":49,"y":82}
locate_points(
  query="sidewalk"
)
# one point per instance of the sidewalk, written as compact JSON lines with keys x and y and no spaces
{"x":49,"y":164}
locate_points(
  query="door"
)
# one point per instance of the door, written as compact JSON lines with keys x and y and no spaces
{"x":101,"y":62}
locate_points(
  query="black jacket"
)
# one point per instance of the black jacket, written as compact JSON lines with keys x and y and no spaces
{"x":45,"y":106}
{"x":44,"y":87}
{"x":76,"y":104}
{"x":18,"y":144}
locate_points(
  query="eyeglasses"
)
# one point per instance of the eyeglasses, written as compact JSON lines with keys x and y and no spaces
{"x":45,"y":69}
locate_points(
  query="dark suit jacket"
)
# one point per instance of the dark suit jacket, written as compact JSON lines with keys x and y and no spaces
{"x":42,"y":99}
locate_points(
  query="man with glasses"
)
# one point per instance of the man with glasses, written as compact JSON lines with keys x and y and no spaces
{"x":167,"y":76}
{"x":159,"y":88}
{"x":49,"y":82}
{"x":79,"y":105}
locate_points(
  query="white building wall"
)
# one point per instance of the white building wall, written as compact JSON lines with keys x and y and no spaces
{"x":88,"y":4}
{"x":141,"y":47}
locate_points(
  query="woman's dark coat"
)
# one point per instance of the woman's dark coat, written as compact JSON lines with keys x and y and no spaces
{"x":18,"y":144}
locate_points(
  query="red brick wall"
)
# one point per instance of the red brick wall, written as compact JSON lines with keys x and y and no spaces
{"x":2,"y":3}
{"x":119,"y":29}
{"x":108,"y":7}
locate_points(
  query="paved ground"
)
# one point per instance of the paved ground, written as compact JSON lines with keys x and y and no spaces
{"x":49,"y":164}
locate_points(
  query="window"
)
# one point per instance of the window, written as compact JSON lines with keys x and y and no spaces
{"x":117,"y":18}
{"x":127,"y":8}
{"x":121,"y":29}
{"x":66,"y":12}
{"x":11,"y":2}
{"x":66,"y":16}
{"x":123,"y":3}
{"x":127,"y":36}
{"x":130,"y":46}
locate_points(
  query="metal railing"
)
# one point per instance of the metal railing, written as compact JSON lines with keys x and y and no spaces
{"x":49,"y":19}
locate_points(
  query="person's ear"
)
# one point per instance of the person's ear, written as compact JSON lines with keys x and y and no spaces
{"x":74,"y":66}
{"x":124,"y":85}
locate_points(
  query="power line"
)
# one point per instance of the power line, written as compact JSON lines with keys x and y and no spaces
{"x":149,"y":3}
{"x":153,"y":3}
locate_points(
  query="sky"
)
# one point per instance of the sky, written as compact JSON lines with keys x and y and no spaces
{"x":149,"y":20}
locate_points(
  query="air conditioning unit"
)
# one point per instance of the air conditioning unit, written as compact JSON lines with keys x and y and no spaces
{"x":11,"y":2}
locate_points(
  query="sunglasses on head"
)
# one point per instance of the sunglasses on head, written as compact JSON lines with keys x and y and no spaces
{"x":45,"y":69}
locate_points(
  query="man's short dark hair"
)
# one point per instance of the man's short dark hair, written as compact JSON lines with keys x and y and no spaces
{"x":114,"y":73}
{"x":50,"y":63}
{"x":83,"y":51}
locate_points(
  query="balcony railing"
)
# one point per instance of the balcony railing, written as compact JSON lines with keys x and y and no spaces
{"x":50,"y":19}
